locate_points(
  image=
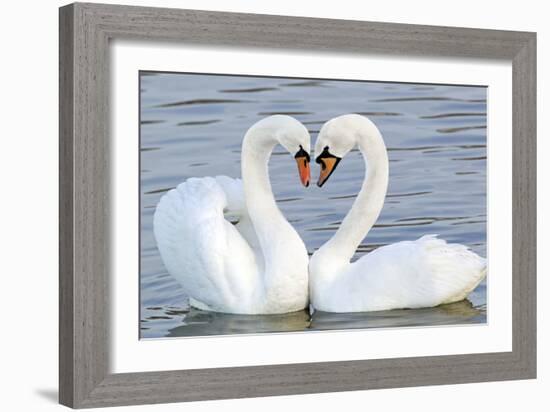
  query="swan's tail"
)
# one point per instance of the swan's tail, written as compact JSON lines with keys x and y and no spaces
{"x":458,"y":269}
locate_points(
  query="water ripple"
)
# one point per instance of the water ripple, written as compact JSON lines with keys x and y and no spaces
{"x":426,"y":99}
{"x":198,"y":122}
{"x":200,"y":101}
{"x":447,"y":115}
{"x":376,"y":114}
{"x":288,"y":113}
{"x":460,"y":129}
{"x":436,"y":143}
{"x":251,"y":90}
{"x":307,"y":83}
{"x":407,"y":194}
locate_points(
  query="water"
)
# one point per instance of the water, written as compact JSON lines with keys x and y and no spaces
{"x":192,"y":125}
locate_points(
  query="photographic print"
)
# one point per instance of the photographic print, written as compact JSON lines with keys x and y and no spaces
{"x":271,"y":204}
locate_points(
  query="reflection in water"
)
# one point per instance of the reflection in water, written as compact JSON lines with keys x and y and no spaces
{"x":193,"y":125}
{"x":454,"y":313}
{"x":200,"y":323}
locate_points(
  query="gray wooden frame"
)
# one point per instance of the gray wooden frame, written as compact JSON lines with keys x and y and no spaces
{"x":85,"y":31}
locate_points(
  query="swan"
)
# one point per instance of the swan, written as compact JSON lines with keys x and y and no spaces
{"x":260,"y":264}
{"x":410,"y":274}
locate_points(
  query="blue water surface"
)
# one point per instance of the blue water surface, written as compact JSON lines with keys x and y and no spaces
{"x":192,"y":125}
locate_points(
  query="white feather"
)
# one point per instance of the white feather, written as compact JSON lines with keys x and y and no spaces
{"x":411,"y":274}
{"x":207,"y":255}
{"x":258,"y":265}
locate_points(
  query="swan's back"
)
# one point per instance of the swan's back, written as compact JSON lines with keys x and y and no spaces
{"x":208,"y":256}
{"x":410,"y":274}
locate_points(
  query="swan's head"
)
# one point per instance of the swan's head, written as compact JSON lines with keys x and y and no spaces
{"x":286,"y":131}
{"x":295,"y":138}
{"x":336,"y":138}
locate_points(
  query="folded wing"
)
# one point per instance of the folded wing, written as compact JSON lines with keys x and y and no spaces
{"x":410,"y":274}
{"x":213,"y":261}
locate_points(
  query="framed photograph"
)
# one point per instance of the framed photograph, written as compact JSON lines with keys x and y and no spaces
{"x":257,"y":205}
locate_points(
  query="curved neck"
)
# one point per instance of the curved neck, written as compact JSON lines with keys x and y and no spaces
{"x":257,"y":147}
{"x":369,"y":201}
{"x":264,"y":213}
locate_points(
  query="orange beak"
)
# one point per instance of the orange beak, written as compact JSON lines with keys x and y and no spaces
{"x":327,"y":167}
{"x":303,"y":169}
{"x":328,"y":163}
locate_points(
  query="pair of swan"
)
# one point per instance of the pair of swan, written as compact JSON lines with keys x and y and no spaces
{"x":260,"y":265}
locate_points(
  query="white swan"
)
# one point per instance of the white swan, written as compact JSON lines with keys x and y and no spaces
{"x":409,"y":274}
{"x":259,"y":265}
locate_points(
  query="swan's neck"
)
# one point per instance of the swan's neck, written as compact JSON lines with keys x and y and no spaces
{"x":369,"y":201}
{"x":264,"y":213}
{"x":258,"y":145}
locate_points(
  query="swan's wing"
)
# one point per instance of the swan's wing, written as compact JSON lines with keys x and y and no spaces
{"x":236,"y":211}
{"x":207,"y":255}
{"x":455,"y":270}
{"x":422,"y":273}
{"x":234,"y":195}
